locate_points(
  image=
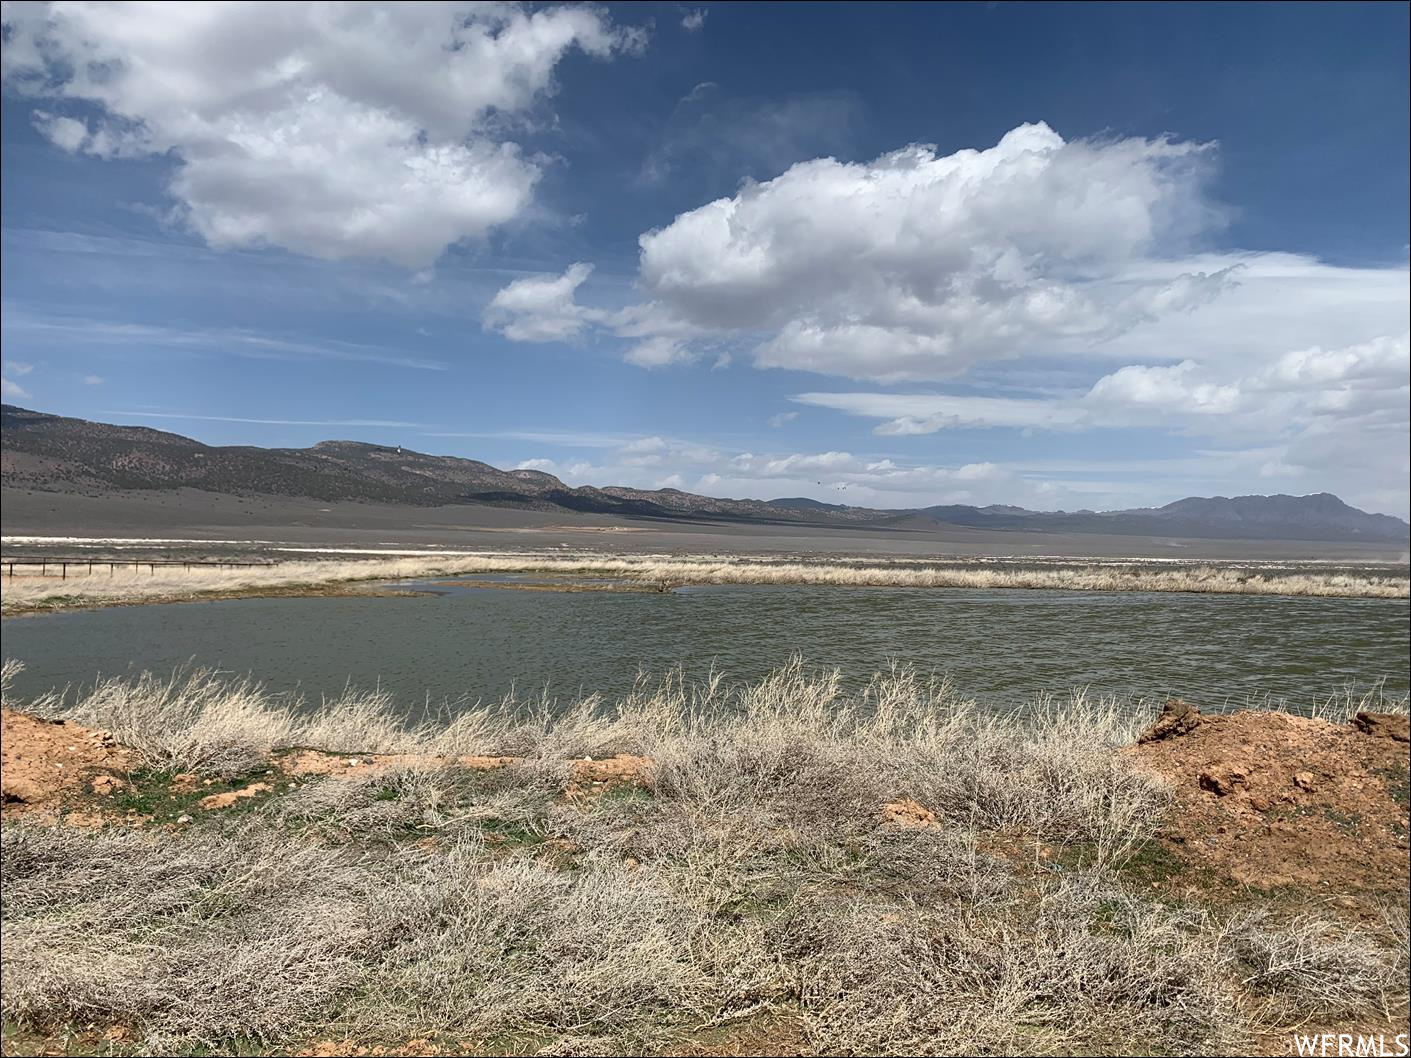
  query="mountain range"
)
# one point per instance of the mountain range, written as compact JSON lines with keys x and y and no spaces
{"x":54,"y":453}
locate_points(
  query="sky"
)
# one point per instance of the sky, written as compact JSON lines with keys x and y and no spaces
{"x":1060,"y":256}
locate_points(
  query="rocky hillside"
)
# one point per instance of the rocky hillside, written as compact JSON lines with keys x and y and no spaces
{"x":53,"y":453}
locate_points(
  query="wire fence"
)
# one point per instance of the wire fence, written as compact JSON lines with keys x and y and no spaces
{"x":60,"y":567}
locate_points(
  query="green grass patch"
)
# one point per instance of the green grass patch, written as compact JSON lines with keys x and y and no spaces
{"x":154,"y":793}
{"x":508,"y":833}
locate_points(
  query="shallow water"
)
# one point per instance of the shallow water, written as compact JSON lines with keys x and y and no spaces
{"x":1002,"y":646}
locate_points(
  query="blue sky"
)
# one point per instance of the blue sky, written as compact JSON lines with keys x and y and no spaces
{"x":1056,"y":255}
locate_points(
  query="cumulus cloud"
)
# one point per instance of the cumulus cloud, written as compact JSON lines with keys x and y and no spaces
{"x":1162,"y":388}
{"x":694,"y":19}
{"x":544,"y":308}
{"x":330,"y":129}
{"x":1362,"y":387}
{"x":918,"y":265}
{"x":541,"y":308}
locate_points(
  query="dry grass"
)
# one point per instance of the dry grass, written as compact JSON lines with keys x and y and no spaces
{"x":792,"y":740}
{"x":1340,"y":708}
{"x":23,"y":594}
{"x":137,"y":585}
{"x":751,"y":877}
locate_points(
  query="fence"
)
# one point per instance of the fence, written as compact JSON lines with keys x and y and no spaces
{"x":62,"y":565}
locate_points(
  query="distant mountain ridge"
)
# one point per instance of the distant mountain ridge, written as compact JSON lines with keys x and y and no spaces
{"x":1321,"y":516}
{"x":54,"y":453}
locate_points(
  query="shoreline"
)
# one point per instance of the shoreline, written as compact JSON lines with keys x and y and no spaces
{"x":648,"y":573}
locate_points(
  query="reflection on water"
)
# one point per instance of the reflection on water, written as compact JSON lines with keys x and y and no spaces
{"x":1002,"y":646}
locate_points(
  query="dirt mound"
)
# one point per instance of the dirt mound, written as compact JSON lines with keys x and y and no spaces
{"x":39,"y":759}
{"x":1177,"y":718}
{"x":598,"y":776}
{"x":907,"y":814}
{"x":1267,"y":799}
{"x":1384,"y":725}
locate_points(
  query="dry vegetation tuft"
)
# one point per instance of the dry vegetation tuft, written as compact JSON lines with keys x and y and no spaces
{"x":750,"y":876}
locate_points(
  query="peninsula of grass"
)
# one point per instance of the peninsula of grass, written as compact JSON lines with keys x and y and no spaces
{"x":130,"y":586}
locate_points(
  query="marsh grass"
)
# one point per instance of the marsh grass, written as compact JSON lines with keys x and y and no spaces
{"x":749,"y":878}
{"x":29,"y":593}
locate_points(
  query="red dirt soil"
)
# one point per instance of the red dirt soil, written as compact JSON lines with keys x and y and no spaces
{"x":41,"y":759}
{"x":591,"y":776}
{"x":1268,"y":800}
{"x":307,"y":762}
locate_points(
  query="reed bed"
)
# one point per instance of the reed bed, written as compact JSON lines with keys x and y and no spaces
{"x":654,"y":572}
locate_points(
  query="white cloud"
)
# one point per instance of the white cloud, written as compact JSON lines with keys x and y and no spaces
{"x":918,"y":265}
{"x":921,"y":413}
{"x":93,"y":380}
{"x":1337,"y":388}
{"x":694,"y":19}
{"x":658,"y":351}
{"x":9,"y":371}
{"x":783,"y":418}
{"x":1273,"y":303}
{"x":655,"y":462}
{"x":1336,"y":420}
{"x":1166,"y":388}
{"x":541,"y":308}
{"x":330,"y":129}
{"x":1356,"y":396}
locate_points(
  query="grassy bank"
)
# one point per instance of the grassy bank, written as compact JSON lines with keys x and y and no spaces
{"x":24,"y":594}
{"x":769,"y":868}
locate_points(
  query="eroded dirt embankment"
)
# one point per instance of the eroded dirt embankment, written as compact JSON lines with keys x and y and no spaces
{"x":1270,"y":800}
{"x":40,"y":760}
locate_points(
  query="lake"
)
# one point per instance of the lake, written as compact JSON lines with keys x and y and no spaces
{"x":1001,"y":646}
